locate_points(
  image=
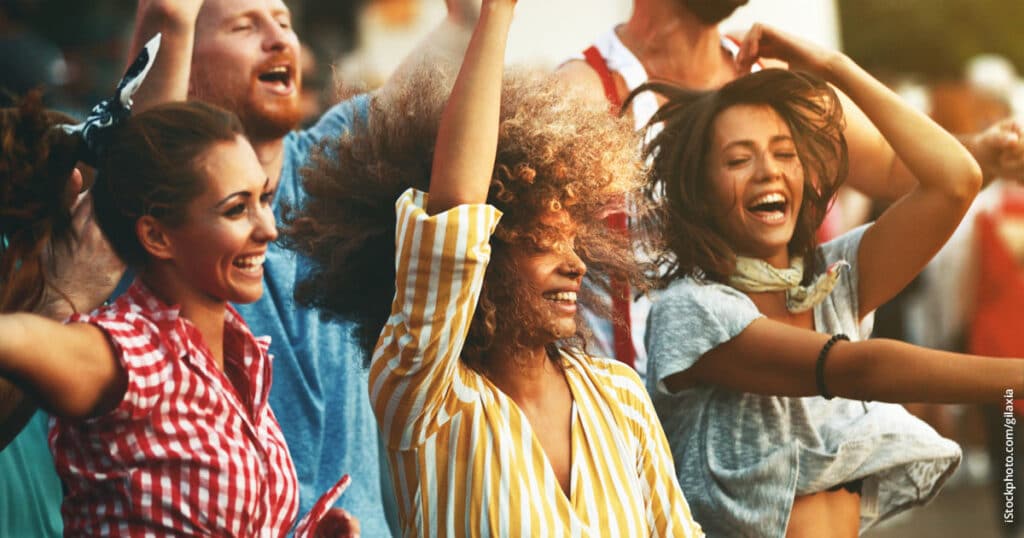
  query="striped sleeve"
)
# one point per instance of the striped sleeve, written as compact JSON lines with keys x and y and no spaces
{"x":440,"y":264}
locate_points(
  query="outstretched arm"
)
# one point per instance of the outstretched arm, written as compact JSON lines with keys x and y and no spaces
{"x":898,"y":246}
{"x":773,"y":358}
{"x":467,"y":138}
{"x":82,"y":272}
{"x":70,"y":369}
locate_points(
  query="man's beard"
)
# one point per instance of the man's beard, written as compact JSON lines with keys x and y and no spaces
{"x":712,"y":12}
{"x":262,"y":121}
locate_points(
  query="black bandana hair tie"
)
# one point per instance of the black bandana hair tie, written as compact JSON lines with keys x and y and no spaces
{"x":111,"y":112}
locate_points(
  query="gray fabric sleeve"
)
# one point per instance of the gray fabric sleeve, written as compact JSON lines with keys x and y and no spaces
{"x":690,"y":319}
{"x":844,"y":297}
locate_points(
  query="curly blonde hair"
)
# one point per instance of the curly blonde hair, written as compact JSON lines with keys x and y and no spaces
{"x":555,"y":152}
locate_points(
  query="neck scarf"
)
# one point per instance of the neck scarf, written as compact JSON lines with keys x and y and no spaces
{"x":755,"y":275}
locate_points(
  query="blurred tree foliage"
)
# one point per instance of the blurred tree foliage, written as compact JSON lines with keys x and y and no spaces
{"x":932,"y":38}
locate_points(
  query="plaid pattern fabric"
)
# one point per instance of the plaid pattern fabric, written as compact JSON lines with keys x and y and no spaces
{"x":184,"y":452}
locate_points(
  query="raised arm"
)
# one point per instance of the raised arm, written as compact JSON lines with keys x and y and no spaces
{"x":176,"y":20}
{"x":899,"y":245}
{"x":878,"y":171}
{"x":467,"y":138}
{"x":70,"y":369}
{"x":442,"y":250}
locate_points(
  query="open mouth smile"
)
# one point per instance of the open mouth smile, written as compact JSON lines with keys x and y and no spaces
{"x":252,"y":265}
{"x":278,"y":79}
{"x":770,"y":208}
{"x":563,"y":300}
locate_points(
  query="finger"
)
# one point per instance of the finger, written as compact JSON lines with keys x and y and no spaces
{"x":1012,"y":167}
{"x":73,"y":188}
{"x":749,"y":48}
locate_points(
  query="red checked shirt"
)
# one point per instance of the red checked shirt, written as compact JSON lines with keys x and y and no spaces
{"x":183,"y":452}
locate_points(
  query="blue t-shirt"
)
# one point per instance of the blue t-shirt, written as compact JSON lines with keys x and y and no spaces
{"x":319,"y":391}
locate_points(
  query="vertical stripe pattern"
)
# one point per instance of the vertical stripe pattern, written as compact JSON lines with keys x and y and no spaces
{"x":464,"y":459}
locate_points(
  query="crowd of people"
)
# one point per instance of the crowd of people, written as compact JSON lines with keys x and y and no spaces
{"x":476,"y":301}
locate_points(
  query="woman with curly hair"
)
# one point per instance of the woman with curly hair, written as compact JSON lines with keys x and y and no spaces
{"x":494,"y":424}
{"x":161,"y":420}
{"x":769,"y":394}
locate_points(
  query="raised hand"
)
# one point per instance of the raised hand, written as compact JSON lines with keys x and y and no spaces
{"x":1000,"y":150}
{"x":337,"y":523}
{"x":82,"y":271}
{"x":764,"y":41}
{"x":176,"y":10}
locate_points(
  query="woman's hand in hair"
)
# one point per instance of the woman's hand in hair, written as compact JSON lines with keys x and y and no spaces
{"x":767,"y":42}
{"x":83,"y":271}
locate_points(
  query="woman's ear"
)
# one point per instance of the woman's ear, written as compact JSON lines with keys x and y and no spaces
{"x":153,"y":237}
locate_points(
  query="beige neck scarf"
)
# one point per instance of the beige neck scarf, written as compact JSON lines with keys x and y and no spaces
{"x":756,"y":275}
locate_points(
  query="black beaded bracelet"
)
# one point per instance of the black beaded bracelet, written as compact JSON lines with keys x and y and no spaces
{"x":819,"y":368}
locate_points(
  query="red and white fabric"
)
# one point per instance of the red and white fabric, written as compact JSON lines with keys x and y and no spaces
{"x":184,"y":452}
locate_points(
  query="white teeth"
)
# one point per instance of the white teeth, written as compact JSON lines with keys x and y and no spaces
{"x":569,"y":296}
{"x":278,"y":69}
{"x":769,"y":198}
{"x":250,"y":262}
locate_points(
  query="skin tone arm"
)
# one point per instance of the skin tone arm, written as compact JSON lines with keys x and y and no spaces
{"x":467,"y":138}
{"x":878,"y":171}
{"x":168,"y":78}
{"x":70,"y":369}
{"x":82,"y":273}
{"x":774,"y":358}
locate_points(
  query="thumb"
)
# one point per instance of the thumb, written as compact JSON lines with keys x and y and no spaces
{"x":749,"y":48}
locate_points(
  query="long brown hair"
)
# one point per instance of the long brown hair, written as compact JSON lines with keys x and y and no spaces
{"x":683,"y":225}
{"x":36,"y":161}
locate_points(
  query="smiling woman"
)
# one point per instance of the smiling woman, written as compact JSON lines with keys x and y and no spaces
{"x":133,"y":385}
{"x":760,"y":368}
{"x":495,"y":419}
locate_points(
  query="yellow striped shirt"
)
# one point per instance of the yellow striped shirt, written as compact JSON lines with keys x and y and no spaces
{"x":463,"y":458}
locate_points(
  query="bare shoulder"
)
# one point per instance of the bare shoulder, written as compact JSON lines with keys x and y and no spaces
{"x":581,"y":78}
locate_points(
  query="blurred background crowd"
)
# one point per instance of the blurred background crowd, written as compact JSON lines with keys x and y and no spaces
{"x":956,"y":59}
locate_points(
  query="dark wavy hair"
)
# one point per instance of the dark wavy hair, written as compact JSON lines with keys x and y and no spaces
{"x":554,"y":152}
{"x":151,"y":167}
{"x":682,"y":227}
{"x":36,"y":161}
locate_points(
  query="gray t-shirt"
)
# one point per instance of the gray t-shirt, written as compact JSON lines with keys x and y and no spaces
{"x":741,"y":458}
